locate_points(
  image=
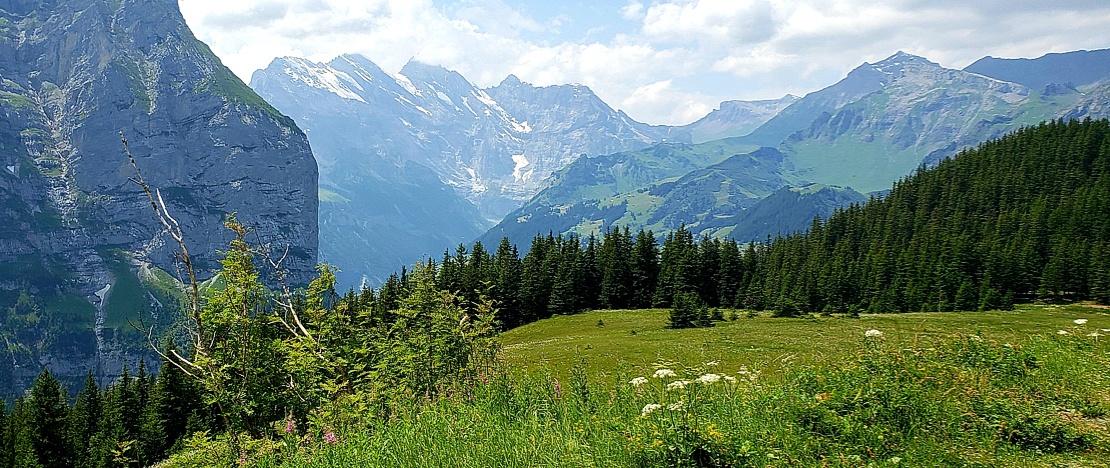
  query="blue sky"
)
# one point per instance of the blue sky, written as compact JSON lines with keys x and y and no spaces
{"x":661,"y":61}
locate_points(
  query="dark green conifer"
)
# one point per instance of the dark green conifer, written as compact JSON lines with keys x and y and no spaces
{"x":48,"y":411}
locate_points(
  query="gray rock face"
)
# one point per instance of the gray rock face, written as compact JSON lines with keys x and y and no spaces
{"x":74,"y":75}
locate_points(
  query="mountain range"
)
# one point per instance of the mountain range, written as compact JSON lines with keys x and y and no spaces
{"x":877,"y":125}
{"x":416,"y":162}
{"x":407,"y":165}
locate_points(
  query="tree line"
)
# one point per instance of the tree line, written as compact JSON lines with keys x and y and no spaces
{"x":1024,"y":217}
{"x":134,"y":422}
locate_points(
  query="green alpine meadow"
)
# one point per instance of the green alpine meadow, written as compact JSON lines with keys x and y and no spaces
{"x":483,"y":233}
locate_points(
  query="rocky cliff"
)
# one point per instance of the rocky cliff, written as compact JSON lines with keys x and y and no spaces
{"x":79,"y":243}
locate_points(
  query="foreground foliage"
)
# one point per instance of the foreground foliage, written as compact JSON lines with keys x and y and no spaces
{"x":959,"y":400}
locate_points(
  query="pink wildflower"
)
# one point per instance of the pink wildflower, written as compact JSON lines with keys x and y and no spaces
{"x":290,"y":426}
{"x":558,"y":389}
{"x":330,"y":438}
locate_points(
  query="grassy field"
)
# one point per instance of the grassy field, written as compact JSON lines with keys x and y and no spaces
{"x":637,"y":340}
{"x":1030,"y":387}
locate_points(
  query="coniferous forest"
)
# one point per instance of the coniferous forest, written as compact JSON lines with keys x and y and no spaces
{"x":1022,"y":218}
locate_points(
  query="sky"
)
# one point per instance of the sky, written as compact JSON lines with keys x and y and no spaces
{"x":661,"y":61}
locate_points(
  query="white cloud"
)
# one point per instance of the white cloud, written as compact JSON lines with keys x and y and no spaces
{"x":686,"y":106}
{"x":633,"y":10}
{"x":679,"y":55}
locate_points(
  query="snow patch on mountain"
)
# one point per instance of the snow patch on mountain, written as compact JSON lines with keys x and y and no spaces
{"x":406,"y":83}
{"x":323,"y":77}
{"x":521,"y":162}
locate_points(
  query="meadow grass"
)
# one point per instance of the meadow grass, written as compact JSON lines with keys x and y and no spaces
{"x":639,"y":339}
{"x":952,"y":389}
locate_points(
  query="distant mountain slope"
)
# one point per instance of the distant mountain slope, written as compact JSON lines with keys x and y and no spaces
{"x":735,"y":118}
{"x":424,"y":160}
{"x":1079,"y":68}
{"x":81,"y":255}
{"x":659,"y":188}
{"x":875,"y":126}
{"x":787,"y":211}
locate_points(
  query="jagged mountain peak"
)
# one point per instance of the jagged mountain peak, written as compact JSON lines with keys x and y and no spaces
{"x":317,"y":75}
{"x":422,"y":72}
{"x":899,"y":64}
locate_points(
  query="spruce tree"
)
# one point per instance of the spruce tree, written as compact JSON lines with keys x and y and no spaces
{"x":175,"y":398}
{"x":85,"y":420}
{"x":20,"y":436}
{"x":507,"y":281}
{"x":48,"y":411}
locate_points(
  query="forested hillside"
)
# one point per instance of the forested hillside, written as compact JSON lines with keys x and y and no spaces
{"x":1020,"y":218}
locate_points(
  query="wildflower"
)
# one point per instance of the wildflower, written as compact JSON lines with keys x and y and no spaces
{"x":873,"y":333}
{"x":1080,"y":321}
{"x":330,"y":438}
{"x":711,"y":363}
{"x":290,"y":426}
{"x":649,"y":408}
{"x":728,"y":378}
{"x":638,"y":381}
{"x":558,"y":388}
{"x":677,"y":385}
{"x":1094,"y":334}
{"x":1061,"y":332}
{"x":677,"y":406}
{"x":709,"y":379}
{"x":822,"y":397}
{"x":1105,"y":330}
{"x":661,"y":373}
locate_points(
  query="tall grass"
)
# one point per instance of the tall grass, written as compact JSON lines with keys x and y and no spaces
{"x":956,"y":400}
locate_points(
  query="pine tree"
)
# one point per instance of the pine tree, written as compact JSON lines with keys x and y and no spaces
{"x":645,"y":269}
{"x":507,"y":285}
{"x":688,"y":311}
{"x":615,"y":262}
{"x":48,"y":411}
{"x":84,"y":421}
{"x":19,"y":437}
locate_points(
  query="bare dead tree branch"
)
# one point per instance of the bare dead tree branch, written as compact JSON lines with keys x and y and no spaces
{"x":173,"y":228}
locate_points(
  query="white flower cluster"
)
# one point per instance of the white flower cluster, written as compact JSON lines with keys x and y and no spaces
{"x":1080,"y":321}
{"x":649,"y":408}
{"x":677,"y":406}
{"x":677,"y":385}
{"x":662,"y":373}
{"x":872,"y":333}
{"x":638,"y":381}
{"x":709,"y":379}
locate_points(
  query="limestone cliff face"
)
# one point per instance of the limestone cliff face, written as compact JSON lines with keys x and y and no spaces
{"x":73,"y":75}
